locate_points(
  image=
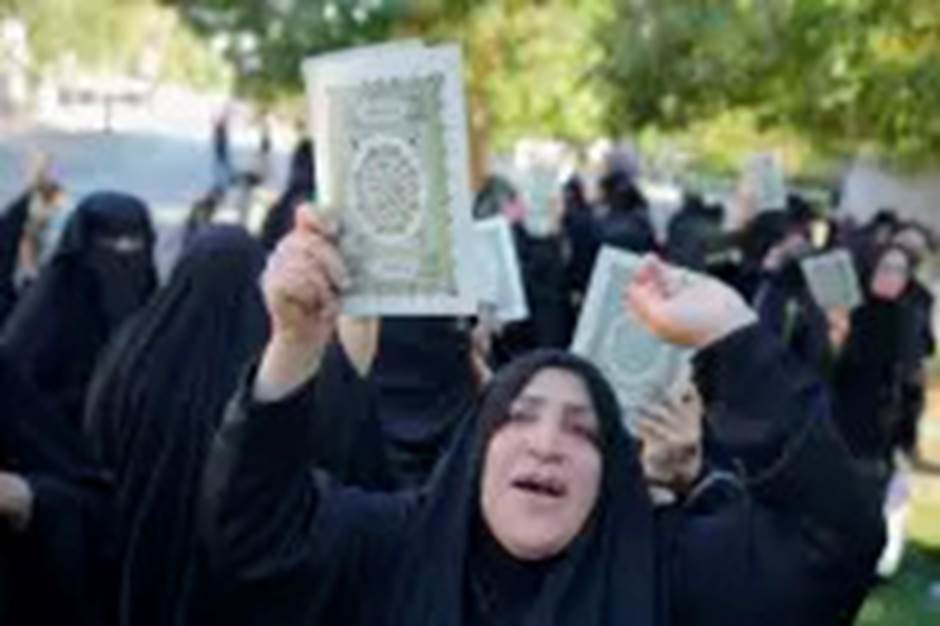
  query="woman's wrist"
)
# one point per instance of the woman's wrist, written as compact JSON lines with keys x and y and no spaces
{"x":16,"y":500}
{"x":286,"y":366}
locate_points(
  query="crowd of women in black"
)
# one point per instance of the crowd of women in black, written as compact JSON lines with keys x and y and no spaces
{"x":225,"y":449}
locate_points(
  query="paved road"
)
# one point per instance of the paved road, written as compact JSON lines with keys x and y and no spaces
{"x":169,"y":172}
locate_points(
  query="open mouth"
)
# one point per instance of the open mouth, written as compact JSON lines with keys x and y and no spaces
{"x":541,"y":486}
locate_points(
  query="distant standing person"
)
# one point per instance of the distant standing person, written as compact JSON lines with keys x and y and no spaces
{"x":221,"y":152}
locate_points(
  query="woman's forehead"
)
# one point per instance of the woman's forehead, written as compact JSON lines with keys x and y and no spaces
{"x":557,"y":386}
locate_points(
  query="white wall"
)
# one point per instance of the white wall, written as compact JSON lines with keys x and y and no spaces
{"x":868,"y":189}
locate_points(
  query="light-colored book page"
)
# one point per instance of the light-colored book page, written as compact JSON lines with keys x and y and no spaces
{"x":540,"y":190}
{"x":832,"y":280}
{"x":763,"y":176}
{"x":496,"y":266}
{"x":392,"y":160}
{"x":311,"y":66}
{"x":639,"y":366}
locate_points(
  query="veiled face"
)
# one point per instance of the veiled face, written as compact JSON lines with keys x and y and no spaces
{"x":891,"y":275}
{"x":543,"y":466}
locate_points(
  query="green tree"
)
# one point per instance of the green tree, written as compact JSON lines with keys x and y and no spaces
{"x":846,"y":74}
{"x":111,"y":36}
{"x":528,"y":62}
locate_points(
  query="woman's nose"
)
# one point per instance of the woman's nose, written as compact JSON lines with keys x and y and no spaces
{"x":545,"y":440}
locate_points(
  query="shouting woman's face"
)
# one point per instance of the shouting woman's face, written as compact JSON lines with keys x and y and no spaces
{"x":543,"y":466}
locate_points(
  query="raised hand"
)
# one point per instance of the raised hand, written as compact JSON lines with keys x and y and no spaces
{"x":682,"y":307}
{"x":671,"y":434}
{"x":302,"y":284}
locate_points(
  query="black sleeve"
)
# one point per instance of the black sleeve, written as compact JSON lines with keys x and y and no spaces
{"x":59,"y":558}
{"x":799,"y":547}
{"x":346,"y":438}
{"x":288,"y":543}
{"x":773,"y":416}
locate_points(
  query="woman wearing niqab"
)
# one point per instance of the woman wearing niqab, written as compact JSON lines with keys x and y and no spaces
{"x":101,"y":273}
{"x":539,"y":514}
{"x":155,"y":403}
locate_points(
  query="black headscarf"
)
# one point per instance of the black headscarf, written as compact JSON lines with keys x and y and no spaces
{"x":627,"y":224}
{"x":693,"y":233}
{"x":102,"y":273}
{"x":542,"y":264}
{"x":493,"y":195}
{"x":870,"y":368}
{"x":301,"y":186}
{"x":606,"y":576}
{"x":582,"y":234}
{"x":152,"y":410}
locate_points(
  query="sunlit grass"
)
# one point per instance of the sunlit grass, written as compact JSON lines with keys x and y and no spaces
{"x":905,"y":600}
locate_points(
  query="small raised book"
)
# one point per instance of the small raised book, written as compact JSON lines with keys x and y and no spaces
{"x":389,"y":126}
{"x":832,"y":280}
{"x":641,"y":367}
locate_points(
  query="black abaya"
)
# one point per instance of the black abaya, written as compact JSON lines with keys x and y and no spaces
{"x":787,"y":309}
{"x":152,"y":408}
{"x":54,"y":566}
{"x":155,"y":404}
{"x":424,"y":384}
{"x":581,"y":233}
{"x":546,"y":289}
{"x":867,"y":380}
{"x":300,"y":188}
{"x":101,"y":274}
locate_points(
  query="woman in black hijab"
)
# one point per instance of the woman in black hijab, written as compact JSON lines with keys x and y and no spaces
{"x":52,"y":540}
{"x":101,"y":274}
{"x":580,"y":230}
{"x":693,"y":233}
{"x":301,"y":186}
{"x":539,"y":515}
{"x":153,"y":406}
{"x":627,"y":224}
{"x":785,"y":304}
{"x":871,"y":367}
{"x":155,"y":402}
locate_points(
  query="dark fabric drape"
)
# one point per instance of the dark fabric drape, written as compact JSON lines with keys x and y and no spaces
{"x":101,"y":274}
{"x":51,"y":572}
{"x":152,"y":409}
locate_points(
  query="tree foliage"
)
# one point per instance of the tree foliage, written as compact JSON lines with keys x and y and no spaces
{"x":114,"y":37}
{"x":848,"y":74}
{"x":528,"y":63}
